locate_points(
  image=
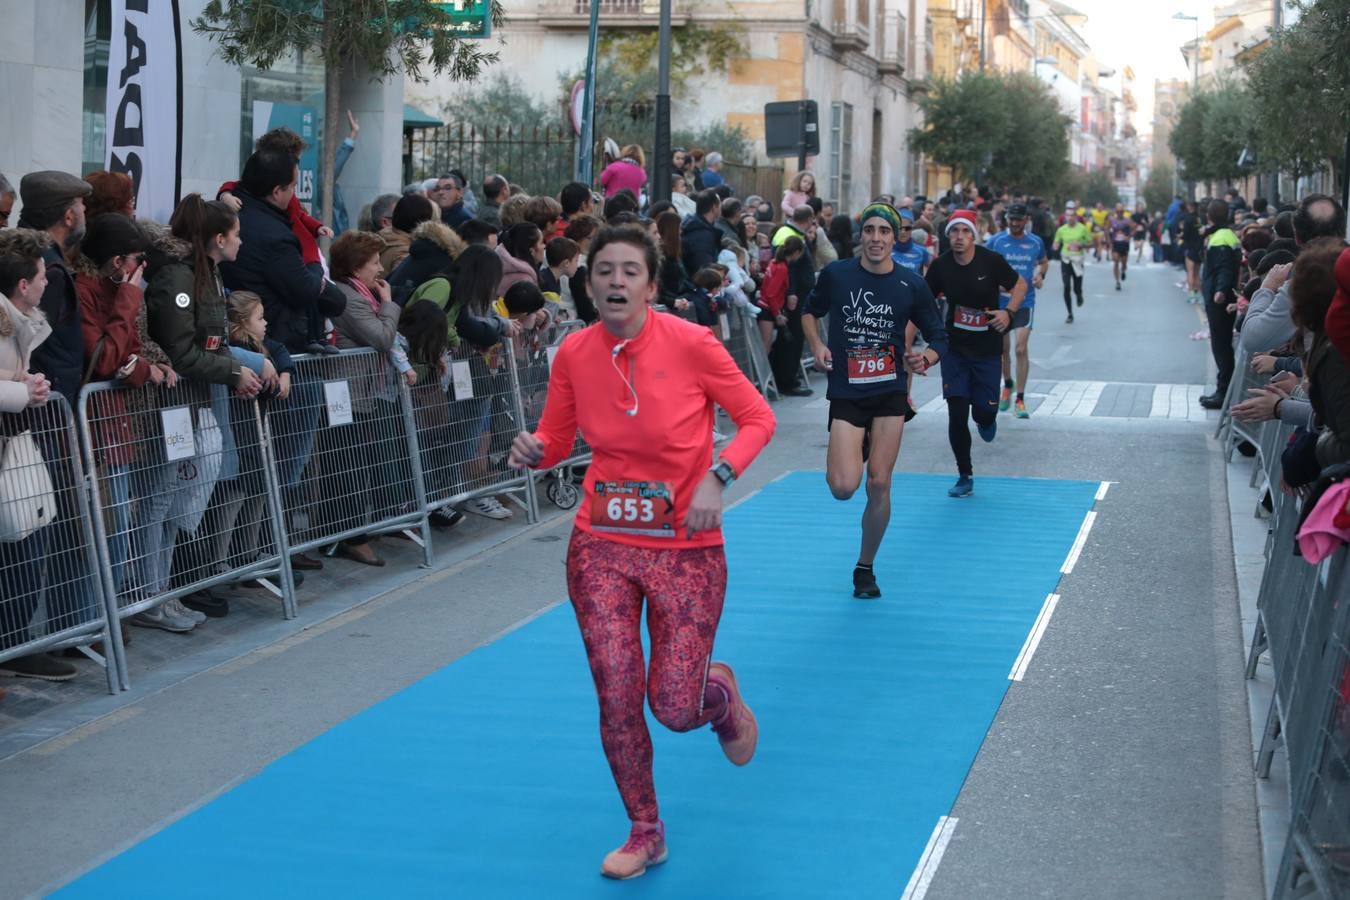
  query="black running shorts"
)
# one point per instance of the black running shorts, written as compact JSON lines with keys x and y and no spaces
{"x":860,"y":411}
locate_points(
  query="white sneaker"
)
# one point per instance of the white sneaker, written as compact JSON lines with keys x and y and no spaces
{"x":162,"y":619}
{"x":719,"y":438}
{"x":490,"y":507}
{"x":175,"y":607}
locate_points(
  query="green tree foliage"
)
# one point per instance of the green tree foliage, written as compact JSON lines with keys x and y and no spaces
{"x":965,"y":120}
{"x":500,"y":127}
{"x":1087,"y":188}
{"x":1187,"y":141}
{"x":1003,"y":129}
{"x":381,"y":36}
{"x":1227,"y":129}
{"x":1033,"y":157}
{"x":730,"y":141}
{"x":1300,"y":94}
{"x":1158,"y":187}
{"x":626,"y":82}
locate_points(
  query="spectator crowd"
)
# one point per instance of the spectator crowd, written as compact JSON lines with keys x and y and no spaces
{"x":235,"y":290}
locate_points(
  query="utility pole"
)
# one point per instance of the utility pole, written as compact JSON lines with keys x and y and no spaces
{"x":660,"y":172}
{"x":984,"y":8}
{"x":586,"y":143}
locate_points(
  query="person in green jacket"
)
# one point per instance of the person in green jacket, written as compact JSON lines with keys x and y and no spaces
{"x":1071,"y":240}
{"x":1218,"y":288}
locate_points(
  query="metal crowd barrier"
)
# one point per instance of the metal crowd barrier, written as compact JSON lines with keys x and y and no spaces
{"x":346,"y":449}
{"x":186,"y":493}
{"x":739,"y":330}
{"x":465,"y":422}
{"x":535,"y":364}
{"x":1303,"y":623}
{"x":50,"y":593}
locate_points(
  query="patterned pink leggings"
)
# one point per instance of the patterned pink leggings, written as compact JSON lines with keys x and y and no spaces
{"x":684,"y":589}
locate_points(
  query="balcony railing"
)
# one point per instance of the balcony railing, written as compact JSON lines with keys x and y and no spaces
{"x":849,"y":31}
{"x":576,"y":13}
{"x":893,"y":39}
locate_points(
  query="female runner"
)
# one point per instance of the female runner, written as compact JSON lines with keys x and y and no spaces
{"x":641,"y":386}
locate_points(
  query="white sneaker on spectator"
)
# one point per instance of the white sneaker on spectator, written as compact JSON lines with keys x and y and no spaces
{"x":160,"y":618}
{"x":176,"y":608}
{"x":719,"y":438}
{"x":490,"y":507}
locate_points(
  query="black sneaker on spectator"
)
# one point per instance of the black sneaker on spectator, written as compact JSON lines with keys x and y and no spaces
{"x":446,"y":517}
{"x":490,"y":507}
{"x":39,"y":665}
{"x":204,"y":601}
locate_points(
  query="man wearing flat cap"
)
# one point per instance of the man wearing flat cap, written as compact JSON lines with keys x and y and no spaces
{"x":54,"y":202}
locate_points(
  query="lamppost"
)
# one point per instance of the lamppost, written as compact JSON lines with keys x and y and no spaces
{"x":1183,"y":17}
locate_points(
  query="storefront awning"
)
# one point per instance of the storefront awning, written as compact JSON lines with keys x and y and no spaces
{"x":415,"y":118}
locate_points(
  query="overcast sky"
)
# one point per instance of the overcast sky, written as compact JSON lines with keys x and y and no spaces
{"x":1143,"y":35}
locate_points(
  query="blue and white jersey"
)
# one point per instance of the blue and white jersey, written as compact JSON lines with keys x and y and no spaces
{"x":1024,"y":254}
{"x":914,"y":258}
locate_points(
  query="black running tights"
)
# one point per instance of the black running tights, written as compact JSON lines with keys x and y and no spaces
{"x":1071,"y":280}
{"x":958,"y":429}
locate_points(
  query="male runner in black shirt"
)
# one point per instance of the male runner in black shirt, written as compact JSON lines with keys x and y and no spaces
{"x":970,"y":277}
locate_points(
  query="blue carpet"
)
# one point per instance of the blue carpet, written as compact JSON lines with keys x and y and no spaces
{"x":487,"y":779}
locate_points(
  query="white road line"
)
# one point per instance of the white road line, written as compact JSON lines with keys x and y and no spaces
{"x":1033,"y":638}
{"x":1078,"y":543}
{"x":922,"y":878}
{"x":1102,"y":489}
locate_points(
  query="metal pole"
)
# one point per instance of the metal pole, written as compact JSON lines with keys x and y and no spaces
{"x":586,"y":149}
{"x":660,"y":168}
{"x":984,"y":8}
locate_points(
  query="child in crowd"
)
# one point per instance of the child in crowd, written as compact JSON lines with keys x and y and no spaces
{"x":238,"y":505}
{"x":773,"y":296}
{"x":561,"y":258}
{"x":422,"y":345}
{"x":740,"y":286}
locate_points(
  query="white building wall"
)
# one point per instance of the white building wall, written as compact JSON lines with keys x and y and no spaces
{"x":42,"y":73}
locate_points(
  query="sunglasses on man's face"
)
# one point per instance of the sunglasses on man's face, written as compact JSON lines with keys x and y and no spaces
{"x":906,"y":227}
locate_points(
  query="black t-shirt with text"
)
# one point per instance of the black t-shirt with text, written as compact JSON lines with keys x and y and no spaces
{"x":971,"y":292}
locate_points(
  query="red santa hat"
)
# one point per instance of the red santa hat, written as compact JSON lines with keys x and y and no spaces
{"x":964,"y":217}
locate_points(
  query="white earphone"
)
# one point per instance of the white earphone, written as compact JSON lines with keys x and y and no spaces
{"x":614,"y":361}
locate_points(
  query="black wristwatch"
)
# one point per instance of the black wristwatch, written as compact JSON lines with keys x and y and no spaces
{"x":724,"y":473}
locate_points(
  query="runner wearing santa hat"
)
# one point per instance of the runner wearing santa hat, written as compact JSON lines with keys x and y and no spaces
{"x":970,"y":278}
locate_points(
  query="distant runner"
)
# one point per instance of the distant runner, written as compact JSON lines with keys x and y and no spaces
{"x":1025,"y":252}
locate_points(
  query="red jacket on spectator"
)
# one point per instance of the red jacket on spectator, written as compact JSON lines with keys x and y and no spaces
{"x":305,"y":226}
{"x":773,"y":295}
{"x":1338,"y":316}
{"x":108,"y":312}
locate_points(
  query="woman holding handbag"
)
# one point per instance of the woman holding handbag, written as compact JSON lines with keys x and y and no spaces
{"x":23,"y":278}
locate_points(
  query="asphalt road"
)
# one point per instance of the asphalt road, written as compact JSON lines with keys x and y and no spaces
{"x":1118,"y":767}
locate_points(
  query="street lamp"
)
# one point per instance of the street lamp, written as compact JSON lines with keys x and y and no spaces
{"x":1183,"y":17}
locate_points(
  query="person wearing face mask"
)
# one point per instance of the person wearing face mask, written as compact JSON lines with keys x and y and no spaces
{"x":642,"y":388}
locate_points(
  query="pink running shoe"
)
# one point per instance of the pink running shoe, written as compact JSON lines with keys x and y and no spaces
{"x":646,"y":846}
{"x":737,"y":729}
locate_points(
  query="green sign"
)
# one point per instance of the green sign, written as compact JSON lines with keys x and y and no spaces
{"x":469,"y":19}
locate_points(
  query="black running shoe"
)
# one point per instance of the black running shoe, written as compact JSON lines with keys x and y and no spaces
{"x":865,"y":584}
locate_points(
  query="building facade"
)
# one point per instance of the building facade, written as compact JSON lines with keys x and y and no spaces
{"x":862,"y":61}
{"x":54,"y":61}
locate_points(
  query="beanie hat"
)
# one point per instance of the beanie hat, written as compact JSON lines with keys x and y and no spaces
{"x":964,"y":217}
{"x":884,"y":211}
